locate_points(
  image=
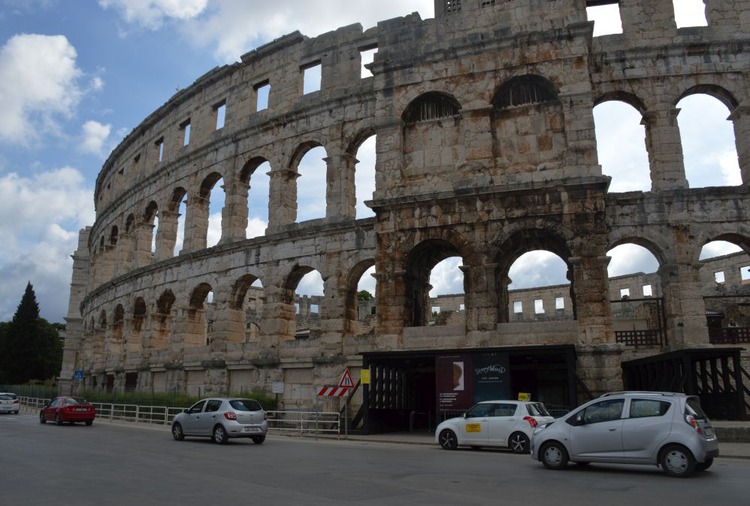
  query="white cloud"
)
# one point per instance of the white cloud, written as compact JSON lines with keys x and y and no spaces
{"x":41,"y":217}
{"x":151,"y":14}
{"x":44,"y":86}
{"x":94,"y":136}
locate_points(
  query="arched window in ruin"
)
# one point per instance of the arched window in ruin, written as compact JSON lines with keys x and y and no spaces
{"x":708,"y":141}
{"x":422,"y":277}
{"x":256,"y":174}
{"x":213,"y":197}
{"x":725,"y":277}
{"x":539,"y":288}
{"x":364,"y":177}
{"x":430,"y":106}
{"x":620,"y":143}
{"x":196,"y":328}
{"x":635,"y":294}
{"x":529,"y":127}
{"x":161,"y":333}
{"x":360,"y":305}
{"x":310,"y":163}
{"x":113,"y":235}
{"x":139,"y":316}
{"x":247,"y":301}
{"x":177,"y":206}
{"x":129,"y":222}
{"x":150,"y":217}
{"x":524,"y":90}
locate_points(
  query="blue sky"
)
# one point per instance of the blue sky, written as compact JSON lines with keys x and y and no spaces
{"x":76,"y":76}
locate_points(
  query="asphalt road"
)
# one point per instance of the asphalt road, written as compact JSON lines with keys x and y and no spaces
{"x":109,"y":464}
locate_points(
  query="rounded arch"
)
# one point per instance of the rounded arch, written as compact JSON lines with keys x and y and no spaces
{"x":150,"y":212}
{"x":530,"y":239}
{"x":622,"y":96}
{"x":199,"y":295}
{"x":129,"y":222}
{"x":524,"y":90}
{"x":250,"y":166}
{"x":240,"y":289}
{"x":653,"y":247}
{"x":208,"y":183}
{"x":113,"y":235}
{"x":300,"y":151}
{"x":431,"y":105}
{"x":177,"y":198}
{"x":717,"y":92}
{"x":119,"y":315}
{"x":165,"y":302}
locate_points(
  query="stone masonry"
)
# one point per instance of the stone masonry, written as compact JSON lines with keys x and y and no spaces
{"x":485,"y":150}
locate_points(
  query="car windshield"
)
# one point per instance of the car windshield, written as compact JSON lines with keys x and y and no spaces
{"x":537,"y":409}
{"x":693,"y":407}
{"x":245,"y":405}
{"x":6,"y":397}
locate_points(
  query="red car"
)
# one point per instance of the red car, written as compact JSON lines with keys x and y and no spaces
{"x":68,"y":409}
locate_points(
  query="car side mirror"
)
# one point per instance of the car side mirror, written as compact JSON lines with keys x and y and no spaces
{"x":575,"y":421}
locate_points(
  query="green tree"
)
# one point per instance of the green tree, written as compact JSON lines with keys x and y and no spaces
{"x":30,"y":347}
{"x":364,"y":295}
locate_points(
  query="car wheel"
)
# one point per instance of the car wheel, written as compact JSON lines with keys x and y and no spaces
{"x":258,"y":439}
{"x":220,"y":435}
{"x":677,"y":461}
{"x":554,"y":455}
{"x":177,"y":433}
{"x":448,"y":440}
{"x":518,"y":442}
{"x":702,"y":466}
{"x":41,"y":418}
{"x":58,"y":420}
{"x":89,"y":422}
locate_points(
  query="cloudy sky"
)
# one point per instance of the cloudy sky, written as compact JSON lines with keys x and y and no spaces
{"x":77,"y":76}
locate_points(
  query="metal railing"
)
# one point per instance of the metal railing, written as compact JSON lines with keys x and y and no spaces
{"x":289,"y":422}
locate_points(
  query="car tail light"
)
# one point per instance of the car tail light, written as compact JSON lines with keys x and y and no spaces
{"x":690,"y":419}
{"x":230,"y":415}
{"x":531,"y":421}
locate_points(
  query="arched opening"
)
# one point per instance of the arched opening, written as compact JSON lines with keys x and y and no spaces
{"x":361,"y":306}
{"x":212,"y":189}
{"x":161,"y":335}
{"x":178,"y":205}
{"x":432,"y":269}
{"x":312,"y":170}
{"x":256,"y":175}
{"x":725,"y":277}
{"x":150,"y":217}
{"x":196,"y":325}
{"x":621,"y":146}
{"x":708,"y":142}
{"x":635,"y":294}
{"x":539,"y":288}
{"x":308,"y":297}
{"x":247,"y":300}
{"x":364,"y":177}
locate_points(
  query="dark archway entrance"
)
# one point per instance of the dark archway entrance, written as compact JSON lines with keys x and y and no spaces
{"x":414,"y":390}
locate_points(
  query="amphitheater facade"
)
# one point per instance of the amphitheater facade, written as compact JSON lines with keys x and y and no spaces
{"x":485,"y":150}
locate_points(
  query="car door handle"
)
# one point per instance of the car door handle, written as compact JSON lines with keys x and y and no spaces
{"x":612,"y":429}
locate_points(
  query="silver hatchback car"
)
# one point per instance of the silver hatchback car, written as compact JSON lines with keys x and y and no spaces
{"x":659,"y":428}
{"x":222,"y":418}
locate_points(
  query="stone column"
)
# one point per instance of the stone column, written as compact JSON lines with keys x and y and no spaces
{"x":196,"y":224}
{"x":684,"y":307}
{"x":593,"y":311}
{"x":279,"y":318}
{"x":341,"y":193}
{"x":234,"y":213}
{"x":143,"y":234}
{"x":166,"y":235}
{"x":741,"y":119}
{"x":581,"y":155}
{"x":481,"y":298}
{"x":282,"y":199}
{"x":729,"y":15}
{"x":664,"y":149}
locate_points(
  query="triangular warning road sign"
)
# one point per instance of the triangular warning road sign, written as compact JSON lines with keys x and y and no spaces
{"x":346,"y":380}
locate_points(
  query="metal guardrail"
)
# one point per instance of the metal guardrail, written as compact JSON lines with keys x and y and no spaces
{"x":288,"y":422}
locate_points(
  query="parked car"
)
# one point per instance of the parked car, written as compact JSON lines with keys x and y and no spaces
{"x":665,"y":429}
{"x":67,"y":409}
{"x":493,"y":423}
{"x":221,"y":419}
{"x":9,"y":403}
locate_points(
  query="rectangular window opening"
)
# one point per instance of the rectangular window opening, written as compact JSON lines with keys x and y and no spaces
{"x":689,"y":13}
{"x":262,"y":92}
{"x":606,"y":19}
{"x":311,"y":78}
{"x":185,"y":126}
{"x":367,"y":56}
{"x":517,"y":307}
{"x":559,"y":302}
{"x":538,"y":306}
{"x":221,"y":114}
{"x":648,"y":291}
{"x":624,"y":293}
{"x":160,"y":148}
{"x":719,"y":277}
{"x":745,"y":274}
{"x":314,"y":309}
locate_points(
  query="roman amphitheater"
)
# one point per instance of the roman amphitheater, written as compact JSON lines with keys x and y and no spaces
{"x":485,"y":149}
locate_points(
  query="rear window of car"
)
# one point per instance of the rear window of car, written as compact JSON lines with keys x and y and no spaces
{"x":7,"y":397}
{"x":642,"y":408}
{"x":245,"y":405}
{"x":537,"y":409}
{"x":693,"y":407}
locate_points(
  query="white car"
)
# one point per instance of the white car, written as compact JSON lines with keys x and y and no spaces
{"x":9,"y":403}
{"x":222,"y":418}
{"x":494,"y":423}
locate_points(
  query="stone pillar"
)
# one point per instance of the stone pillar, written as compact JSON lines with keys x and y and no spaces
{"x":166,"y":235}
{"x":664,"y":147}
{"x":282,"y":199}
{"x":684,"y":307}
{"x":647,"y":20}
{"x":593,"y":311}
{"x":143,"y":234}
{"x":279,"y":318}
{"x":234,"y":213}
{"x":599,"y":367}
{"x":581,"y":155}
{"x":741,"y":120}
{"x":341,"y":193}
{"x":196,"y":224}
{"x":732,"y":16}
{"x":481,"y":299}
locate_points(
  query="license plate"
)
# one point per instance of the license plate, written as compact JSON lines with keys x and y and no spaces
{"x":473,"y":427}
{"x":251,"y":429}
{"x":81,"y":410}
